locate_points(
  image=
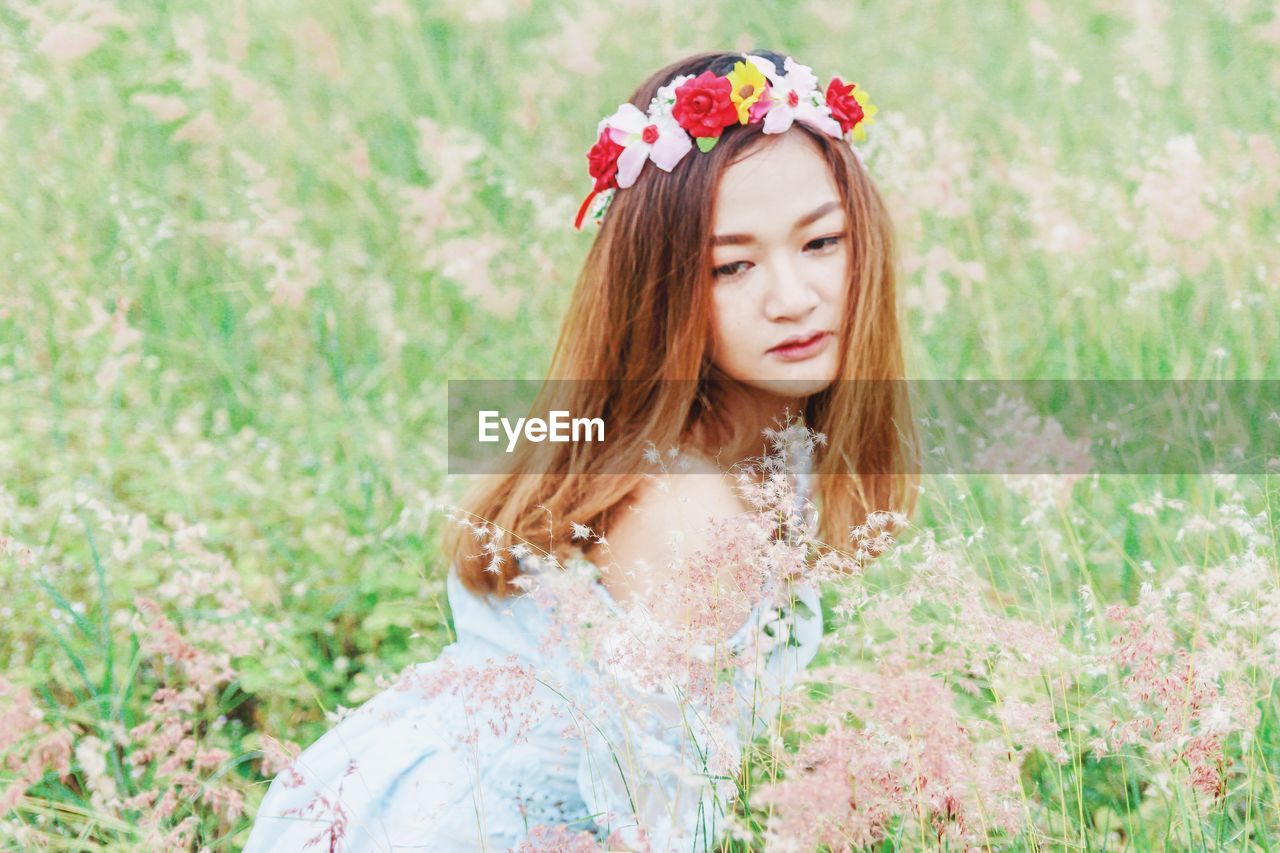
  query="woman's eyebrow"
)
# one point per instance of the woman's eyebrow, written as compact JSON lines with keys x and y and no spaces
{"x":810,"y":217}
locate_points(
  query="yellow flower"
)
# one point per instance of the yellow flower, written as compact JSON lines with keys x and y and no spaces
{"x":748,"y":85}
{"x":868,"y":111}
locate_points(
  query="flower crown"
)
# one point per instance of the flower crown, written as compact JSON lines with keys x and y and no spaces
{"x":691,"y":110}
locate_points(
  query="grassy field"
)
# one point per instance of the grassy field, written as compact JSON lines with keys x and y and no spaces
{"x":244,"y":245}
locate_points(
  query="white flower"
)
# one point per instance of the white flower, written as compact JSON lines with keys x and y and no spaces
{"x":795,"y":97}
{"x":665,"y":99}
{"x":1217,"y":719}
{"x":655,"y":136}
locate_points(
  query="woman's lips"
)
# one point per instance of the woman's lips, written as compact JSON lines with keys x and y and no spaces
{"x":803,"y":349}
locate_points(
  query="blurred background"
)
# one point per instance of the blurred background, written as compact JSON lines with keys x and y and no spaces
{"x":243,"y":245}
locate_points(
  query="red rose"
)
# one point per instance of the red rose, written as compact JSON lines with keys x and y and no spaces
{"x":844,"y":106}
{"x":603,"y":160}
{"x":703,"y":106}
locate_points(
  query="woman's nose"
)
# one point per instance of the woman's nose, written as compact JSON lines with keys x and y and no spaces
{"x":789,"y":295}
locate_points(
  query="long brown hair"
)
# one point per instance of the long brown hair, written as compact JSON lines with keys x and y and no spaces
{"x":640,"y":317}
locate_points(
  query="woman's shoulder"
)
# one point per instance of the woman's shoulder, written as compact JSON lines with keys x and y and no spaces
{"x":683,"y":500}
{"x":667,"y":517}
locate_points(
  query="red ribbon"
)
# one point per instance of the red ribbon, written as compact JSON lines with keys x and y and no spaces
{"x":582,"y":211}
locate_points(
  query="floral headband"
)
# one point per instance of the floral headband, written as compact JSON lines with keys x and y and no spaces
{"x":691,"y":110}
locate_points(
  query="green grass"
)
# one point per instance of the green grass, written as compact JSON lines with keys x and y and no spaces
{"x":308,"y":439}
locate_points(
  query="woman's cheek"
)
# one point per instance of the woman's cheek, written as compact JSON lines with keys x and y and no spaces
{"x":723,"y":338}
{"x":838,"y":260}
{"x":727,"y":317}
{"x":838,"y":280}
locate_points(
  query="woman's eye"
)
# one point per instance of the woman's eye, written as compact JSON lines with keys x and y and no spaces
{"x":728,"y":270}
{"x":821,"y":244}
{"x":824,"y":242}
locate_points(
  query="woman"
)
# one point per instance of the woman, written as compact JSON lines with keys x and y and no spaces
{"x":732,"y":281}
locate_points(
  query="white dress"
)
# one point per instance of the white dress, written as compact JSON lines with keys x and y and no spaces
{"x":425,"y":765}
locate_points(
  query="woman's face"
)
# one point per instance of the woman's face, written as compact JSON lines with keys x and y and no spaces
{"x":781,"y":270}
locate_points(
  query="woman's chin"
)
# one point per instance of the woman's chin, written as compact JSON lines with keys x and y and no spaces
{"x":794,"y":385}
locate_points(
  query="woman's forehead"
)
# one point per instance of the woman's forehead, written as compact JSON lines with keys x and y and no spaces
{"x":778,"y":183}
